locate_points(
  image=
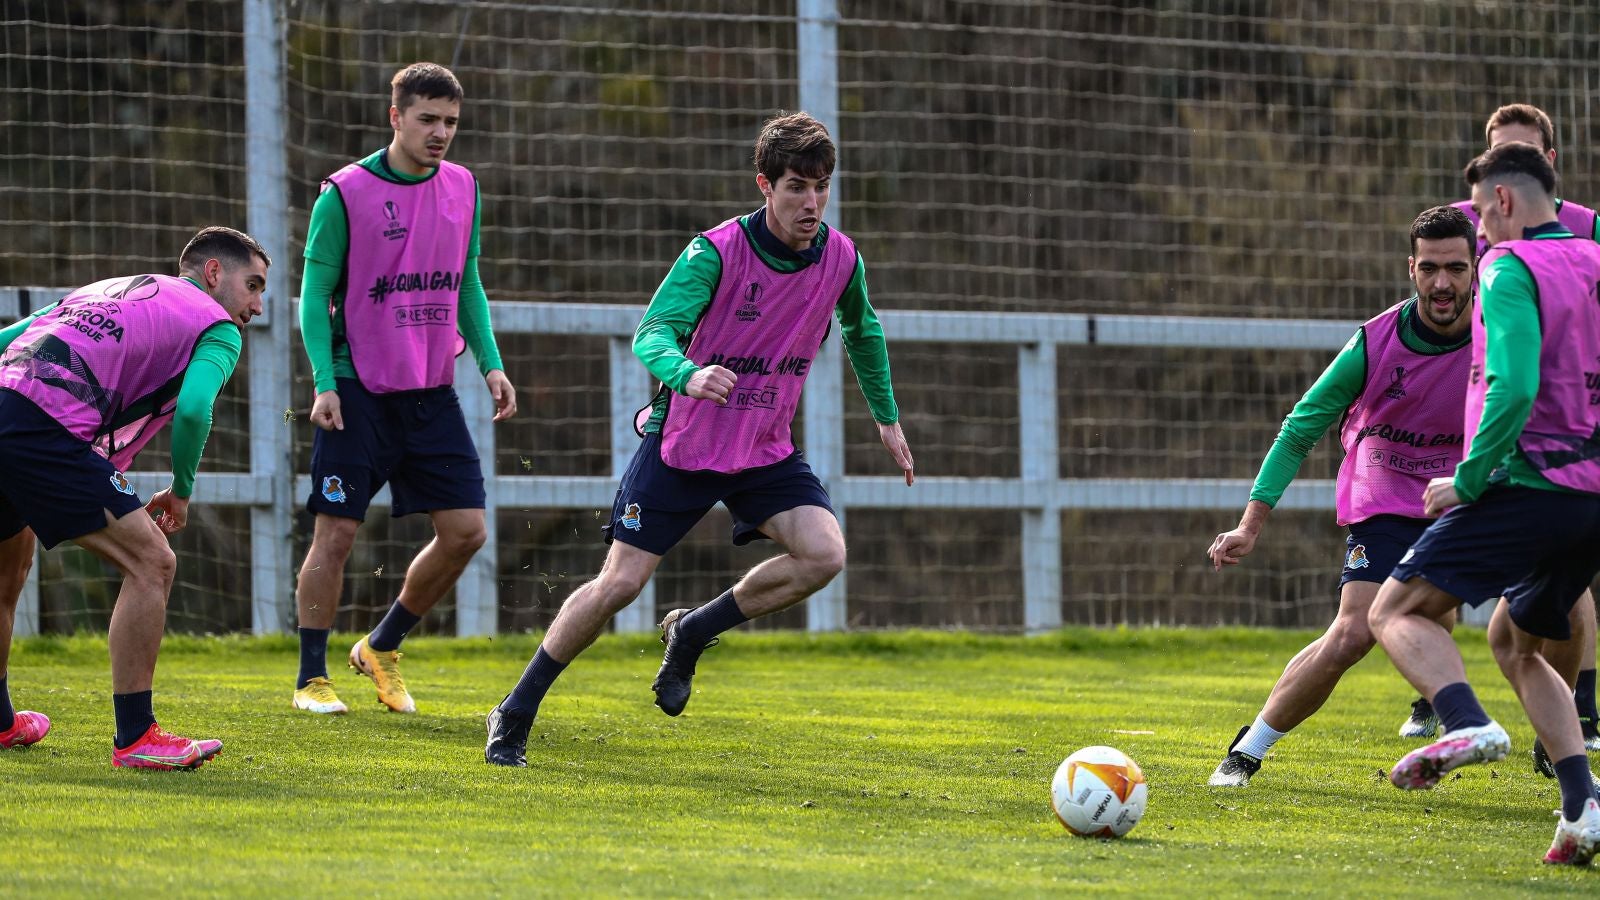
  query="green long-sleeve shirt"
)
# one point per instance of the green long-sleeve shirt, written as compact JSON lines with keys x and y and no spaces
{"x":1508,"y":301}
{"x":322,"y":288}
{"x":215,"y":356}
{"x":669,"y":322}
{"x":1339,"y":385}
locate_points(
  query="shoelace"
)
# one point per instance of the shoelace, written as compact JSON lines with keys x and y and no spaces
{"x":675,"y":661}
{"x":321,"y":691}
{"x":390,"y":664}
{"x":166,"y":737}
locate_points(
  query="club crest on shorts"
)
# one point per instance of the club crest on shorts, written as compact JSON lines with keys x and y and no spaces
{"x":1357,"y":557}
{"x":333,"y":489}
{"x":630,"y":517}
{"x":121,"y":483}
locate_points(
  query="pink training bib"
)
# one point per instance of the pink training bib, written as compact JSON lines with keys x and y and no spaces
{"x":408,"y":249}
{"x":1562,"y":436}
{"x":109,"y":361}
{"x":1405,"y":427}
{"x":766,"y":327}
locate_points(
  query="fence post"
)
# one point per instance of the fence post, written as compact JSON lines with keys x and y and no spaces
{"x":267,"y":220}
{"x":478,"y":589}
{"x":817,"y":52}
{"x":817,"y":56}
{"x":1041,"y":528}
{"x":630,"y":387}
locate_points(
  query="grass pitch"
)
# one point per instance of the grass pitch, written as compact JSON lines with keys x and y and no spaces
{"x":880,"y":764}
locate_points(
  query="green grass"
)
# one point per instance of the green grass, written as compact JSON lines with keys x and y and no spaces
{"x":838,"y":765}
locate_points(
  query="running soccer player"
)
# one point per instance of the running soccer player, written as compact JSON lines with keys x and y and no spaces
{"x":1522,"y":512}
{"x":391,"y":273}
{"x":1396,"y":391}
{"x":1528,"y":123}
{"x":730,"y":334}
{"x":85,"y":383}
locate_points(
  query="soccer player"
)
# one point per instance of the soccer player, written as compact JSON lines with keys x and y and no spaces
{"x":1522,"y":512}
{"x":391,"y":273}
{"x":1396,"y":391}
{"x":1529,"y":124}
{"x":85,"y":383}
{"x":730,"y":334}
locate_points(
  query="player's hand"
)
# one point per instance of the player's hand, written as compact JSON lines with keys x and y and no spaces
{"x":711,"y":383}
{"x":1231,"y":547}
{"x":169,"y":511}
{"x":1439,"y":496}
{"x":895,"y":439}
{"x":505,"y":396}
{"x":325,"y":412}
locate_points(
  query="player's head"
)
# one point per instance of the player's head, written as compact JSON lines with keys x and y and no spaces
{"x":230,"y":266}
{"x":794,"y":169}
{"x":424,"y":109}
{"x":1521,"y":122}
{"x":1513,"y":187}
{"x":1442,"y":249}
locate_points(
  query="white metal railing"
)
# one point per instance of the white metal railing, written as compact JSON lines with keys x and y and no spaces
{"x":1038,"y":495}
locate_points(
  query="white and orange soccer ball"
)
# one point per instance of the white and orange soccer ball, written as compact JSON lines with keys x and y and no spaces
{"x":1099,"y":792}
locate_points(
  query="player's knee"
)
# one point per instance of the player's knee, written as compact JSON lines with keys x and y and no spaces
{"x":465,"y":541}
{"x":824,"y":564}
{"x":616,"y":589}
{"x":335,"y":540}
{"x":1349,"y":641}
{"x":156,"y":566}
{"x":1383,"y":612}
{"x":1503,"y":641}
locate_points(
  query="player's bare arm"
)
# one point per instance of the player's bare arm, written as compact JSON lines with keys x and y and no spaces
{"x":170,"y":511}
{"x":505,"y":396}
{"x":1231,"y":547}
{"x":895,"y":440}
{"x":325,"y":412}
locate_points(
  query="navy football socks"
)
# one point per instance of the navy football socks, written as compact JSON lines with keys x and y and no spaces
{"x":525,"y":698}
{"x":1458,"y":707}
{"x":1584,"y":695}
{"x":134,"y":716}
{"x":700,"y":625}
{"x":8,"y":716}
{"x":1577,"y":786}
{"x":393,"y":629}
{"x":313,"y":655}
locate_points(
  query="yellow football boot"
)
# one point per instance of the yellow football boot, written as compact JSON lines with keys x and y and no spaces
{"x":383,"y":667}
{"x":318,"y":697}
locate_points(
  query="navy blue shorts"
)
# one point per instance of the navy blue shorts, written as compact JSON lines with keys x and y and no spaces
{"x":1376,"y":545}
{"x":53,"y":482}
{"x":1539,"y":549}
{"x":415,"y":441}
{"x":657,"y":504}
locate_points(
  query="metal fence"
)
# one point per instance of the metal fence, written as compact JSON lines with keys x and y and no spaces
{"x":1052,"y":161}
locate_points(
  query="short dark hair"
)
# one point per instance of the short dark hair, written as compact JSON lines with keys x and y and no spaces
{"x":1442,"y":223}
{"x":794,"y":141}
{"x":425,"y":80}
{"x":232,"y":247}
{"x":1522,"y":114}
{"x":1512,"y":160}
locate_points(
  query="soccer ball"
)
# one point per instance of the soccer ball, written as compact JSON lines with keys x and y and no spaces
{"x":1098,"y":792}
